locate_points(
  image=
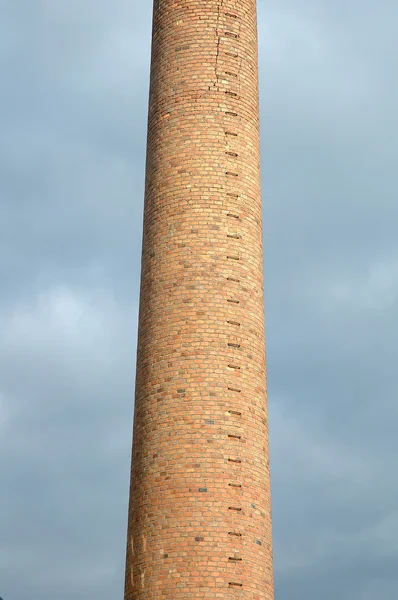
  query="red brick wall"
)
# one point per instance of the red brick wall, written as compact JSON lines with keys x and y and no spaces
{"x":200,"y":509}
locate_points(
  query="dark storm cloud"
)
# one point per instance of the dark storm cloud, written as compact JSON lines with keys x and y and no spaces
{"x":73,"y":119}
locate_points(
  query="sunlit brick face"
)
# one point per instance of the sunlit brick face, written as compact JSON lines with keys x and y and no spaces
{"x":200,"y":508}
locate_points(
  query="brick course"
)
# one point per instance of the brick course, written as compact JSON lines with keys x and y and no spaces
{"x":200,"y":509}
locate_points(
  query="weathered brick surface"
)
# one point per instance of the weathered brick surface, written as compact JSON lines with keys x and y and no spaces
{"x":200,"y":510}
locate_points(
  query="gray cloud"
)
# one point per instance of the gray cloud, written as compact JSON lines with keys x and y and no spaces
{"x":329,"y":144}
{"x":72,"y":152}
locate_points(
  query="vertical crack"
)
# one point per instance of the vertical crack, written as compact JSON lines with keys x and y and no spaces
{"x":219,"y":8}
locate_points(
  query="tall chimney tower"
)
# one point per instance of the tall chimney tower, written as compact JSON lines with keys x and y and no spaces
{"x":200,"y":508}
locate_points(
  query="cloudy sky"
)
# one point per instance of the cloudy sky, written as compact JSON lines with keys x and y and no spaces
{"x":73,"y":107}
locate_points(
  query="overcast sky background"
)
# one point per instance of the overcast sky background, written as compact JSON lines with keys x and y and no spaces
{"x":73,"y":108}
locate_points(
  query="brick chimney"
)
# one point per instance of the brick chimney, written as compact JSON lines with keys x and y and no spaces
{"x":200,"y":507}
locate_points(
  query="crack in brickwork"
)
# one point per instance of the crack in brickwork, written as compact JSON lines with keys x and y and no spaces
{"x":219,"y":8}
